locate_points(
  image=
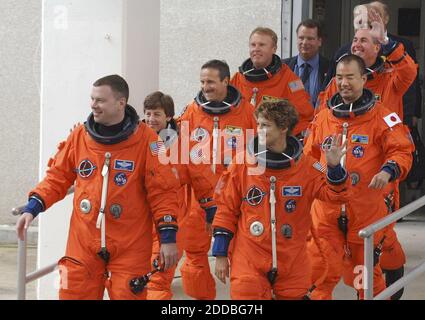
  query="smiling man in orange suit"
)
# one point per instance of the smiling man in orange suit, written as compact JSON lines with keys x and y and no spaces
{"x":120,"y":188}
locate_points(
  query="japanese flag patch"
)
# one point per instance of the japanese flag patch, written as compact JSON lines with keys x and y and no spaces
{"x":392,"y":119}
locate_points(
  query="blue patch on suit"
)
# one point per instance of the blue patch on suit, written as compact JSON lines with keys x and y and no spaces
{"x":232,"y":142}
{"x":120,"y":179}
{"x":125,"y":165}
{"x":290,"y":206}
{"x":360,"y":138}
{"x":358,"y":152}
{"x":293,"y":191}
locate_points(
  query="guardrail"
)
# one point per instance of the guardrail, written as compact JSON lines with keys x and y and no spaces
{"x":23,"y":277}
{"x":367,"y":234}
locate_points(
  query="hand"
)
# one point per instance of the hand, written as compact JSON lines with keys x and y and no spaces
{"x":361,"y":17}
{"x":169,"y":255}
{"x":22,"y":224}
{"x":208,"y":228}
{"x":380,"y":180}
{"x":336,"y":151}
{"x":75,"y":126}
{"x":221,"y":268}
{"x":378,"y":27}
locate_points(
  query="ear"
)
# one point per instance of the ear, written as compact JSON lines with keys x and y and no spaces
{"x":168,"y":119}
{"x":226,"y":81}
{"x":364,"y":79}
{"x":123,"y":102}
{"x":284,"y":131}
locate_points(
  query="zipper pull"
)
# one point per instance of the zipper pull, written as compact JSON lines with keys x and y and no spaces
{"x":344,"y":138}
{"x":105,"y":168}
{"x":215,"y":143}
{"x":272,"y":190}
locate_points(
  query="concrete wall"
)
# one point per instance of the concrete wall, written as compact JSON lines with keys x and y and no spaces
{"x":19,"y":102}
{"x":141,"y":48}
{"x":195,"y":31}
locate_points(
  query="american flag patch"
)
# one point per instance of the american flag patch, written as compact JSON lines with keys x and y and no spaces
{"x":157,"y":147}
{"x":318,"y":166}
{"x":296,"y":85}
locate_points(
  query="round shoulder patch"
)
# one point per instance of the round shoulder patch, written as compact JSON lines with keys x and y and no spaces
{"x":85,"y":169}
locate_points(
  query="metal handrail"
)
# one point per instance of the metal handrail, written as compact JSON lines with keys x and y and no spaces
{"x":368,"y":233}
{"x":23,"y":277}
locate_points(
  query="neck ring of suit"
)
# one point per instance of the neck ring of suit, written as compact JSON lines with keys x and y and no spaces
{"x":256,"y":75}
{"x":341,"y":110}
{"x":277,"y":161}
{"x":219,"y":107}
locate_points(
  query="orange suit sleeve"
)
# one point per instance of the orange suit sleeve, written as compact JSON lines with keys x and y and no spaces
{"x":404,"y":68}
{"x":228,"y":197}
{"x":311,"y":144}
{"x":161,"y":185}
{"x":60,"y":175}
{"x":398,"y":147}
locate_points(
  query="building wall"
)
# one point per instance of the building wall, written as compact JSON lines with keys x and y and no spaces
{"x":195,"y":31}
{"x":20,"y":32}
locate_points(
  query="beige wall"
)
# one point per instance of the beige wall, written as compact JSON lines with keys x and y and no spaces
{"x":20,"y":30}
{"x":195,"y":31}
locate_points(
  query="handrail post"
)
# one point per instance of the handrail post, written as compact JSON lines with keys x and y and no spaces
{"x":368,"y":270}
{"x":22,"y":267}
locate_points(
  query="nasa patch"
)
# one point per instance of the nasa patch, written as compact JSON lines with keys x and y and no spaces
{"x":232,"y":142}
{"x":290,"y":205}
{"x":85,"y":169}
{"x":120,"y":179}
{"x":358,"y":152}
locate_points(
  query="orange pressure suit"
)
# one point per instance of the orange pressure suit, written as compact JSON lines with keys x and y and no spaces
{"x":377,"y":140}
{"x":245,"y":201}
{"x":139,"y":190}
{"x":226,"y":123}
{"x":277,"y":81}
{"x":389,"y":78}
{"x":201,"y":179}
